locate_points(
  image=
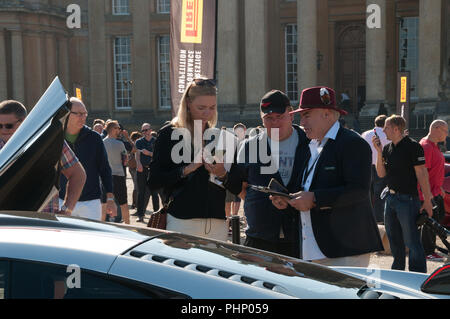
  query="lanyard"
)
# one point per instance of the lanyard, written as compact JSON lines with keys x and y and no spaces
{"x":309,"y":171}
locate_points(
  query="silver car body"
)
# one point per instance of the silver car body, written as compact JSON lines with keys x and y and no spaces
{"x":191,"y":266}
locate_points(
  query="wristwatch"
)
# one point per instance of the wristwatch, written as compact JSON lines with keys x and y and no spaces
{"x":66,"y":210}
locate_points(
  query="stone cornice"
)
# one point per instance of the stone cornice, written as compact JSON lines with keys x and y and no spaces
{"x":35,"y":8}
{"x":18,"y":5}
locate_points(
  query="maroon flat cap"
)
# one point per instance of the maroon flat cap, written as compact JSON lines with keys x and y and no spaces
{"x":319,"y":97}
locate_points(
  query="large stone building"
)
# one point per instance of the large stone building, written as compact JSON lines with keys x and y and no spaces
{"x":119,"y":56}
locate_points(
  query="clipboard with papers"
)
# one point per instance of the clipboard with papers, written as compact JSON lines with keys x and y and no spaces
{"x":274,"y":188}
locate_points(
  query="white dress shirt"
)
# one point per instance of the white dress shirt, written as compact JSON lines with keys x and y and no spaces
{"x":310,"y":249}
{"x":368,"y":135}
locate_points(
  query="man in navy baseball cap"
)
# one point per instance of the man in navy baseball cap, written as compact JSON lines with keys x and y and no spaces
{"x":267,"y":227}
{"x":274,"y":101}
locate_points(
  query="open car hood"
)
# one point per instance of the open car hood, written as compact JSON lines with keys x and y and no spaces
{"x":29,"y":162}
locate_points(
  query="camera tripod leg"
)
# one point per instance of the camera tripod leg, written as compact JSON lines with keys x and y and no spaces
{"x":446,"y":243}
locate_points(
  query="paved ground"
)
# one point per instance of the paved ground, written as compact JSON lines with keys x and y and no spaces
{"x":378,"y":260}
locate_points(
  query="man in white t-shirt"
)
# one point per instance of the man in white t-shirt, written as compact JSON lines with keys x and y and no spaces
{"x":377,"y":184}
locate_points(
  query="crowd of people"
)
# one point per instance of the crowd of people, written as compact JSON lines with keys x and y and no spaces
{"x":340,"y":185}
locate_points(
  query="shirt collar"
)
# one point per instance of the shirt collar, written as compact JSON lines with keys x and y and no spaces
{"x":331,"y":134}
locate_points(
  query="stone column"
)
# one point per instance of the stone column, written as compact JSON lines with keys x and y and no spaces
{"x":18,"y":78}
{"x":375,"y":64}
{"x":307,"y":43}
{"x":3,"y":68}
{"x":332,"y":56}
{"x":443,"y":110}
{"x":35,"y":63}
{"x":256,"y":50}
{"x":228,"y":52}
{"x":51,"y":58}
{"x":142,"y":80}
{"x":63,"y":65}
{"x":97,"y":57}
{"x":430,"y":30}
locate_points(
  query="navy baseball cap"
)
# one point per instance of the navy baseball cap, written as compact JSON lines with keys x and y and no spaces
{"x":274,"y":101}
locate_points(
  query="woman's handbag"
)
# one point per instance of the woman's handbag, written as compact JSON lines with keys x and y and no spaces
{"x":158,"y":219}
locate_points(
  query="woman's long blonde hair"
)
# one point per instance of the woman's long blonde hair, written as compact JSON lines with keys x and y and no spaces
{"x":183,"y":118}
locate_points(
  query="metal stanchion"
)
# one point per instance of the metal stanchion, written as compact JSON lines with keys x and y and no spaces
{"x":236,"y":231}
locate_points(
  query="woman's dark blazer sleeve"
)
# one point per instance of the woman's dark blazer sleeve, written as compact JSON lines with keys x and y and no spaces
{"x":234,"y":180}
{"x":164,"y":173}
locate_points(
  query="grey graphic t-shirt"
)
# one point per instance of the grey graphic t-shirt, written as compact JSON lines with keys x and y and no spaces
{"x":286,"y":156}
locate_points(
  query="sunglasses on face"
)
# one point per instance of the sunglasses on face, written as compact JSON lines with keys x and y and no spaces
{"x":145,"y":130}
{"x":9,"y":126}
{"x":80,"y":114}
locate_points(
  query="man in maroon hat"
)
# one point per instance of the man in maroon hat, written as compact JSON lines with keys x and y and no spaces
{"x":337,"y":224}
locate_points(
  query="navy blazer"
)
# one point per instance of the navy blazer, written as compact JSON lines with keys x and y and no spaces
{"x":90,"y":150}
{"x":342,"y":221}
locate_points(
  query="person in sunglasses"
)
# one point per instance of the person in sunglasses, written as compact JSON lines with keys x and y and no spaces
{"x":195,"y":205}
{"x":12,"y":114}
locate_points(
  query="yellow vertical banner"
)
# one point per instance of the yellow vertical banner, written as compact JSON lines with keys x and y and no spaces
{"x":403,"y":89}
{"x":192,"y":21}
{"x":78,"y":94}
{"x":193,"y":25}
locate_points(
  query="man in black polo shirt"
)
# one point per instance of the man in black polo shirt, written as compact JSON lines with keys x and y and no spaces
{"x":402,"y":162}
{"x":144,"y":155}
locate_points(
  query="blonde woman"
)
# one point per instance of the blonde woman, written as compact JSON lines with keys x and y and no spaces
{"x":196,"y":206}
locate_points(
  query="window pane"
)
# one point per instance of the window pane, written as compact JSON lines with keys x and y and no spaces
{"x":291,"y":61}
{"x":122,"y":72}
{"x":163,"y":6}
{"x":164,"y":75}
{"x":120,"y":7}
